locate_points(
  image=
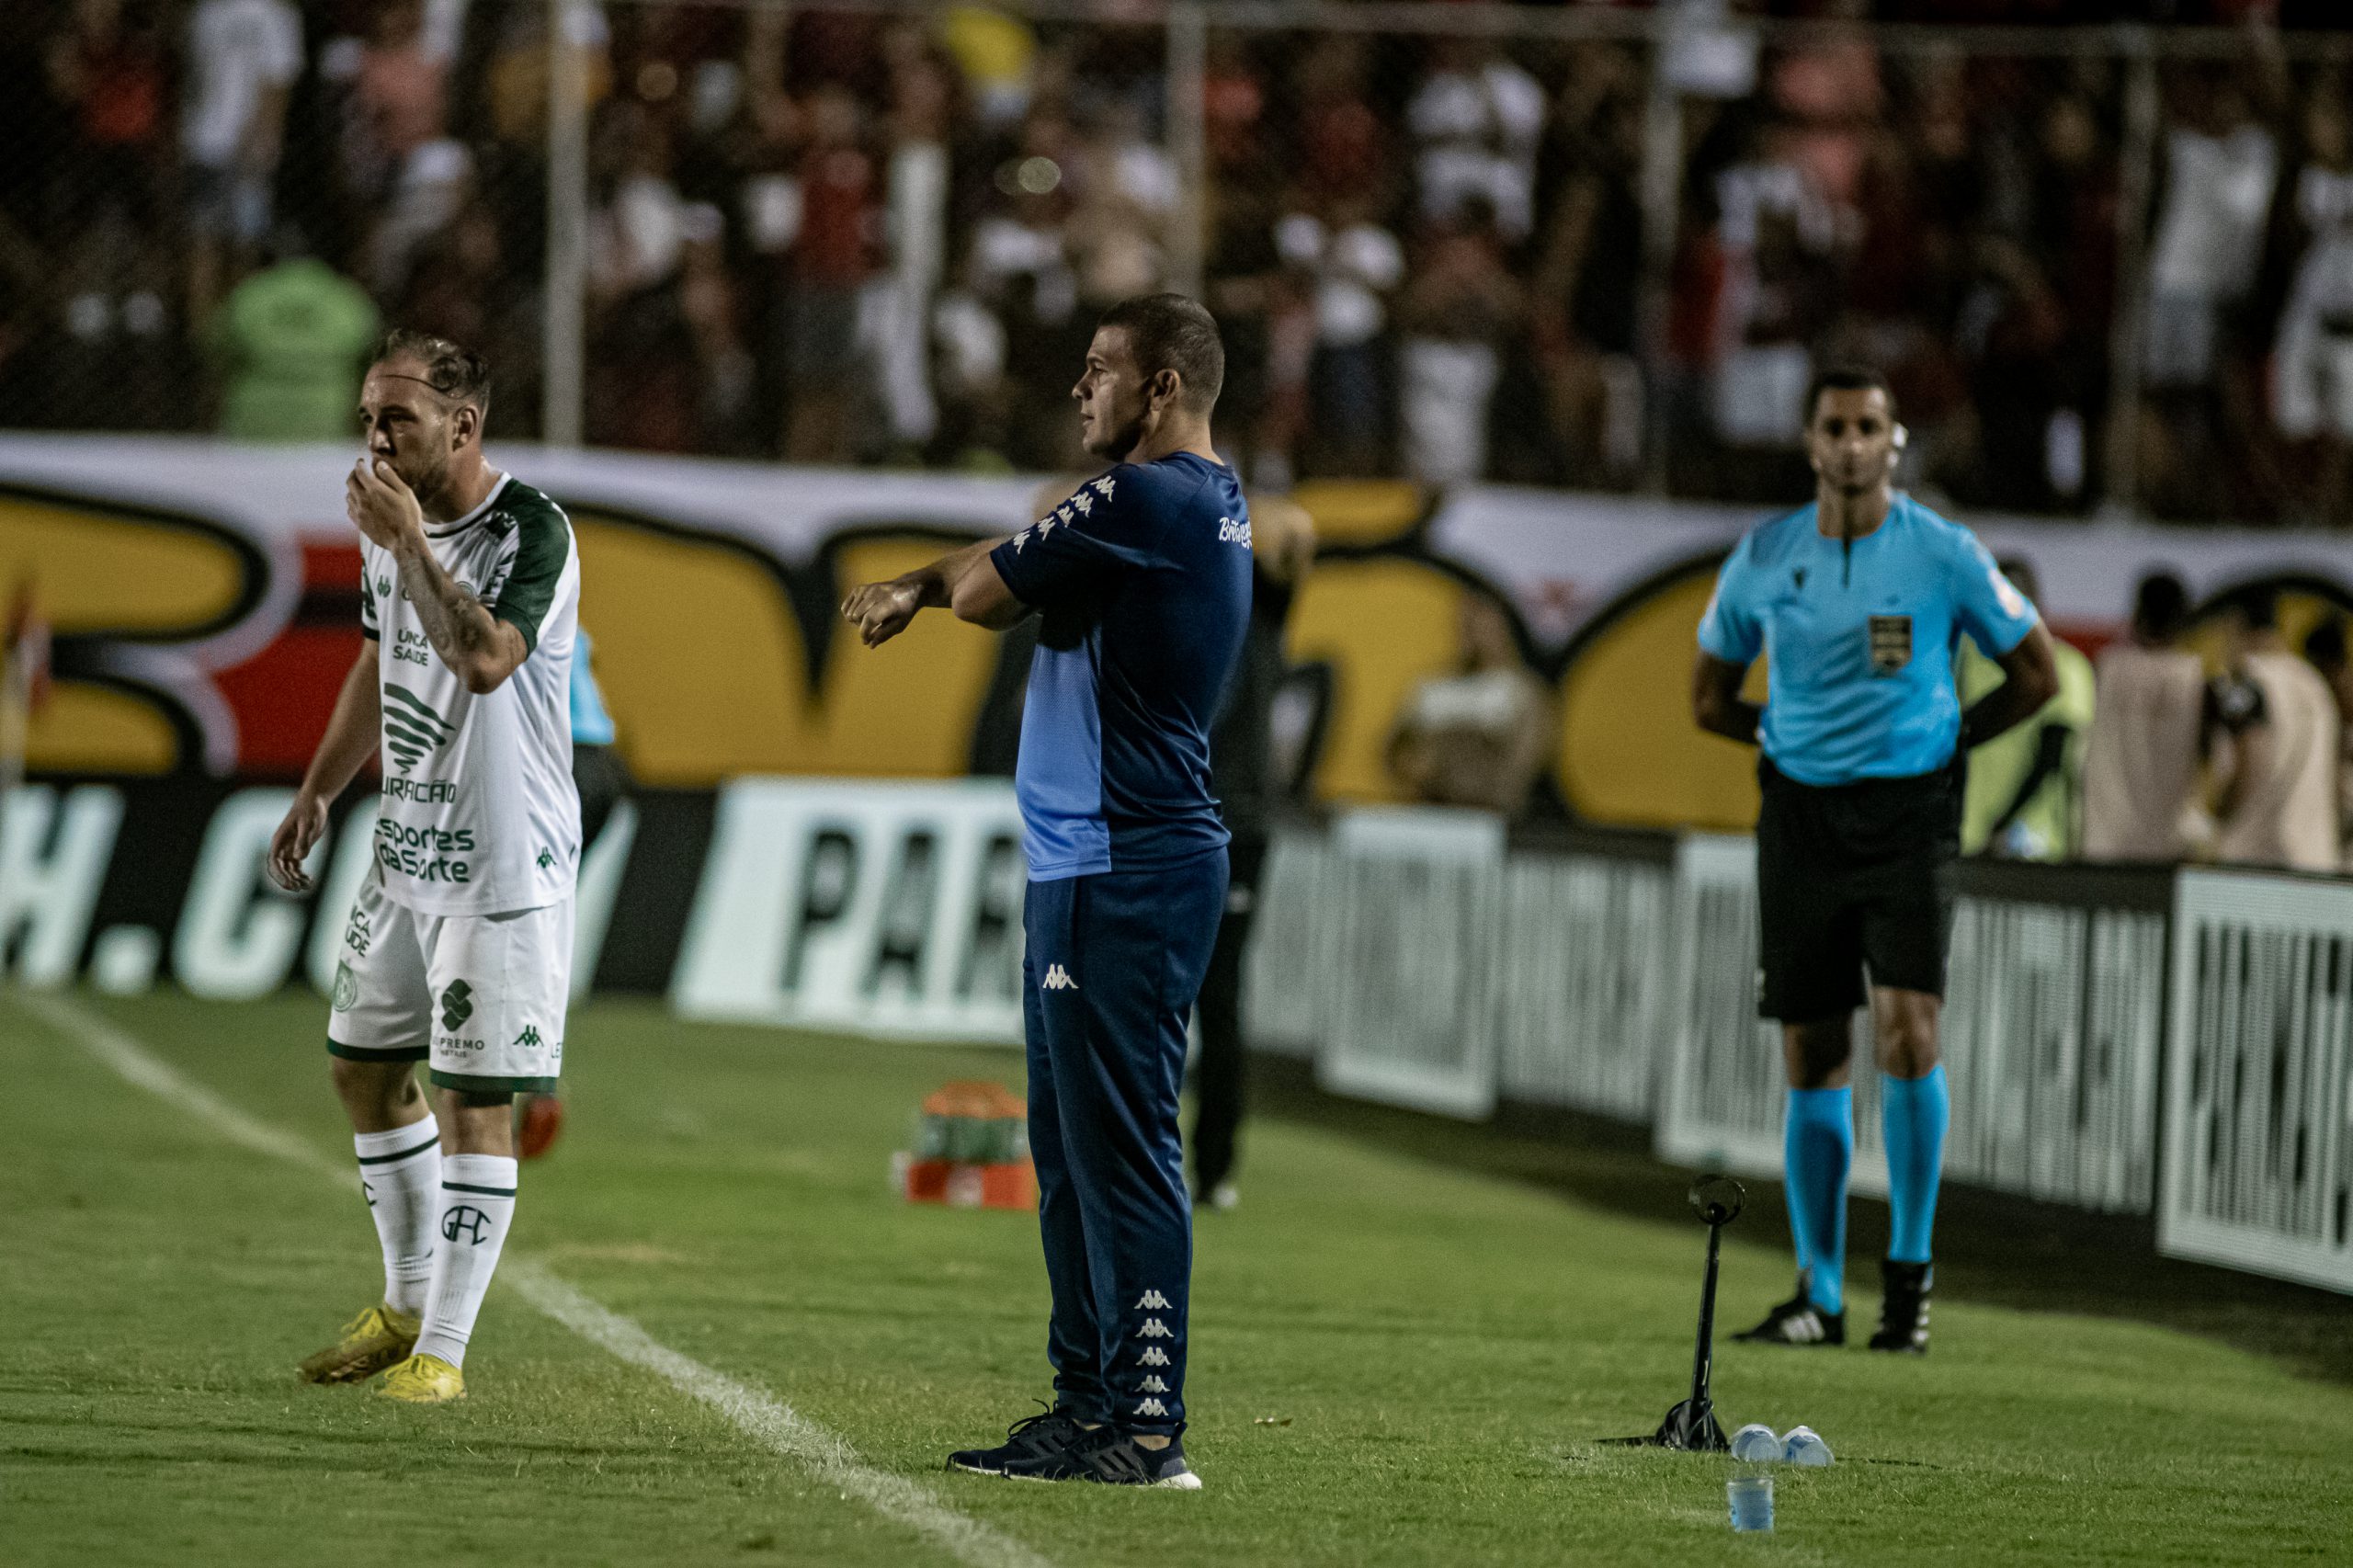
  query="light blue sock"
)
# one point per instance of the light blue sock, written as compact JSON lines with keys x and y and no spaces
{"x":1914,"y":1113}
{"x":1818,"y":1148}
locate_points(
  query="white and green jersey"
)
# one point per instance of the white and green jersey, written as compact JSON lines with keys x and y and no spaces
{"x":479,"y":814}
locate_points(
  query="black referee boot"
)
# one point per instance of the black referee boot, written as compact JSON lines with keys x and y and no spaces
{"x":1903,"y":1307}
{"x":1798,"y":1321}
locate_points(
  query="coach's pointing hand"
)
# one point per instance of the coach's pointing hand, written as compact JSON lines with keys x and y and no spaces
{"x":380,"y":504}
{"x":882,"y":610}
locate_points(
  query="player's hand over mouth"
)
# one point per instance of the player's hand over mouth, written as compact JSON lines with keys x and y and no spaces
{"x":381,"y":506}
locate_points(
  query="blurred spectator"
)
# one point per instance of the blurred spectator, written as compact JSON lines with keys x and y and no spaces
{"x":2148,"y":734}
{"x":2221,"y":164}
{"x":1582,"y":295}
{"x":2326,"y":650}
{"x":2279,"y":803}
{"x":1351,"y":267}
{"x":2025,"y":794}
{"x":1477,"y":121}
{"x":243,"y":57}
{"x":2311,"y":368}
{"x":291,"y":341}
{"x":108,"y":67}
{"x":833,"y":252}
{"x":1481,"y":736}
{"x":1459,"y":309}
{"x":918,"y":172}
{"x":1777,"y":233}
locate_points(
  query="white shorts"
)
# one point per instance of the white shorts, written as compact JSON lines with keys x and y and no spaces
{"x":479,"y":997}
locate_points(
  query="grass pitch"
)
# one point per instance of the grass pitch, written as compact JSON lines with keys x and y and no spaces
{"x":1394,"y":1362}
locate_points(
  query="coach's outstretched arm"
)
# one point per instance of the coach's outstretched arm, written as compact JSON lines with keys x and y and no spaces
{"x":1716,"y":703}
{"x":2032,"y":672}
{"x":966,"y":582}
{"x":482,"y":649}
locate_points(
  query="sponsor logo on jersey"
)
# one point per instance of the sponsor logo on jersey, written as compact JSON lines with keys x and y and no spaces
{"x":456,"y":1003}
{"x":547,"y":858}
{"x":1058,"y":978}
{"x":530,"y":1038}
{"x":424,"y":791}
{"x":412,"y":727}
{"x":1230,"y":531}
{"x":424,"y":853}
{"x":410,"y":647}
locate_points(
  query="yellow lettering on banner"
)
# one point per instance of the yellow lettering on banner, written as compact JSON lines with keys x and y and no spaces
{"x":1630,"y":753}
{"x":697,"y":652}
{"x":97,"y":729}
{"x":100,"y":572}
{"x":704,"y":667}
{"x":1384,"y":623}
{"x":907,"y":708}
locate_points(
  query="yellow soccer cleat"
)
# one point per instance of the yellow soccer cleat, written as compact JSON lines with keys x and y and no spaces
{"x":423,"y":1379}
{"x":370,"y":1342}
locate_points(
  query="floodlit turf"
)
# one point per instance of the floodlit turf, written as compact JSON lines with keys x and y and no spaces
{"x":1394,"y":1362}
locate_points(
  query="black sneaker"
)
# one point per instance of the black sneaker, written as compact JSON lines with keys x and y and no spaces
{"x":1116,"y":1459}
{"x":1027,"y":1443}
{"x":1798,"y":1321}
{"x":1904,"y":1308}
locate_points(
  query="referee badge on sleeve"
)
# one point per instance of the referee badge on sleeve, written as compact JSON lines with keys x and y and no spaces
{"x":1890,"y":643}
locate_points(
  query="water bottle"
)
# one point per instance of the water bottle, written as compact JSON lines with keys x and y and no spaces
{"x":1805,"y":1445}
{"x":1755,"y":1444}
{"x":1750,"y":1497}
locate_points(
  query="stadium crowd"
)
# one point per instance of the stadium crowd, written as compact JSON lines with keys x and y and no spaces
{"x":856,"y":237}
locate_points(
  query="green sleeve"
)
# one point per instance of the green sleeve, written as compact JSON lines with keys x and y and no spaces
{"x":542,"y":544}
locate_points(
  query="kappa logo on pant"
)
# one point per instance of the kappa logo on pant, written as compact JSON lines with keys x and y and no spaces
{"x":1151,"y":1407}
{"x":1153,"y":1385}
{"x":1153,"y":1301}
{"x":1154,"y":1329}
{"x":1058,"y":978}
{"x":1154,"y":1356}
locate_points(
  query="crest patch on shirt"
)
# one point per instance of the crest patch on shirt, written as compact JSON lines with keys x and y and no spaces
{"x":1890,"y":643}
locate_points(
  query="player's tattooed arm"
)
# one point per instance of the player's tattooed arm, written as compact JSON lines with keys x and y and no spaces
{"x":966,"y":582}
{"x":482,"y":649}
{"x":1716,"y":703}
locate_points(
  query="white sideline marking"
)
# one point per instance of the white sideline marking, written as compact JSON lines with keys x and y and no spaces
{"x":759,"y":1415}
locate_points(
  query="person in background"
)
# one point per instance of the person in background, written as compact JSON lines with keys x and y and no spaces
{"x":598,"y":774}
{"x":2277,"y":804}
{"x":1241,"y":774}
{"x":2024,"y":799}
{"x":1477,"y":737}
{"x":2148,"y":733}
{"x":243,"y":57}
{"x":596,"y":767}
{"x":289,"y":340}
{"x":2325,"y":649}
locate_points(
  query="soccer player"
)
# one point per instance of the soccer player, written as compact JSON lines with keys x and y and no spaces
{"x":1141,"y":582}
{"x":1858,"y":603}
{"x":458,"y":952}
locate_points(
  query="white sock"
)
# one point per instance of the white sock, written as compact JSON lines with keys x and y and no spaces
{"x":400,"y":1172}
{"x":477,"y":1205}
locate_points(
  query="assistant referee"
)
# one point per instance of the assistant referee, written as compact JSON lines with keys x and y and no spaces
{"x":1857,"y":604}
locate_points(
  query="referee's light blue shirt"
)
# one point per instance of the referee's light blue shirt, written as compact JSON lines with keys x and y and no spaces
{"x":1859,"y":651}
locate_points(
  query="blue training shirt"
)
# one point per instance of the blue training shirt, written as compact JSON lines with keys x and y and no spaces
{"x":1142,"y":581}
{"x":591,"y":725}
{"x":1859,"y":653}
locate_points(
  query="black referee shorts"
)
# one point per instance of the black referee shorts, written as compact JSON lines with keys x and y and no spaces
{"x":1850,"y":878}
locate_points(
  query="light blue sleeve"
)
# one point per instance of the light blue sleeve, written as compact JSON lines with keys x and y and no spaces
{"x":1994,"y":613}
{"x":1728,"y":629}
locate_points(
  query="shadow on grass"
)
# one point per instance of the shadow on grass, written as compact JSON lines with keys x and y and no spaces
{"x":1991,"y":1247}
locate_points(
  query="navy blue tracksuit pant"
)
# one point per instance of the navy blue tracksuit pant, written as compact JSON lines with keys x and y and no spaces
{"x":1113,"y":966}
